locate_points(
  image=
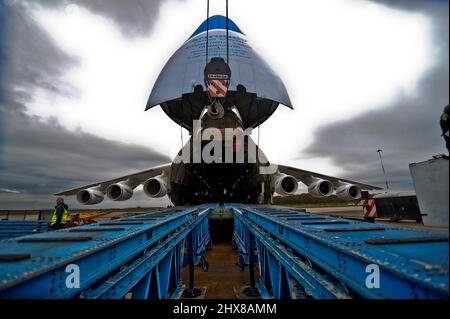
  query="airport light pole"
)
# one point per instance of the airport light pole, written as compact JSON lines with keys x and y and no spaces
{"x":382,"y":168}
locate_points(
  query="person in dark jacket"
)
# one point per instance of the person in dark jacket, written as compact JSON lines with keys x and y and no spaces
{"x":445,"y":126}
{"x":60,"y":215}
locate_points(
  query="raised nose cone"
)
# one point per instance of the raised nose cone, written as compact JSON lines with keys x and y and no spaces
{"x":217,"y":23}
{"x":254,"y":88}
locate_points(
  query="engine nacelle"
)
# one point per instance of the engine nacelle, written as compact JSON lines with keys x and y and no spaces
{"x":119,"y":191}
{"x":286,"y":184}
{"x":156,"y":186}
{"x":320,"y":188}
{"x":90,"y":196}
{"x":348,"y":192}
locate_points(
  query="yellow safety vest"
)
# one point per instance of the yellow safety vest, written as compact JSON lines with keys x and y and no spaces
{"x":63,"y":218}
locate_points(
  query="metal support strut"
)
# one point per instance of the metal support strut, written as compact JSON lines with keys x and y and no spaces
{"x":251,"y":291}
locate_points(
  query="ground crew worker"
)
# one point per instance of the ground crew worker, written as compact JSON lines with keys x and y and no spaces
{"x":59,"y":218}
{"x":445,"y":126}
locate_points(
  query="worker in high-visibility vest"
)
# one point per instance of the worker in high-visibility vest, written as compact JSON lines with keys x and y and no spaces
{"x":60,"y":214}
{"x":445,"y":126}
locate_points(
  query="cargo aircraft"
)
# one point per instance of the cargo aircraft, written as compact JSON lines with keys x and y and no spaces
{"x":218,"y":88}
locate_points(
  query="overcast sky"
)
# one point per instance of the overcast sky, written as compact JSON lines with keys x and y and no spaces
{"x":75,"y":77}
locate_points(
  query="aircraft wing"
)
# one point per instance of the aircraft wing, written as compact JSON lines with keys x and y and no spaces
{"x":307,"y":177}
{"x":137,"y":178}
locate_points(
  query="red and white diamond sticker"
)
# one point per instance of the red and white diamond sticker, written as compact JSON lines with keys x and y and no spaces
{"x":218,"y":88}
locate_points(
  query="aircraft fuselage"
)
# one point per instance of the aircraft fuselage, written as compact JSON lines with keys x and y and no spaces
{"x":228,"y":178}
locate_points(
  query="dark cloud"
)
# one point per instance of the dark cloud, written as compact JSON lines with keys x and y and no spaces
{"x":2,"y":68}
{"x":133,"y":17}
{"x":44,"y":157}
{"x":40,"y":157}
{"x":33,"y":59}
{"x":407,"y":130}
{"x":435,"y":6}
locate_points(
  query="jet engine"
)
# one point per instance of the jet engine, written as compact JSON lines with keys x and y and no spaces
{"x":156,"y":186}
{"x":320,"y":188}
{"x":90,"y":196}
{"x":348,"y":192}
{"x":285,"y":184}
{"x":119,"y":191}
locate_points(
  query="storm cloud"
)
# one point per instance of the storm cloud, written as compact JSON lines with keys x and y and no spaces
{"x":42,"y":157}
{"x":39,"y":157}
{"x":407,"y":130}
{"x":133,"y":17}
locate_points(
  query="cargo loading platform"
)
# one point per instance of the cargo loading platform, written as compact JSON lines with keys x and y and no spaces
{"x":283,"y":253}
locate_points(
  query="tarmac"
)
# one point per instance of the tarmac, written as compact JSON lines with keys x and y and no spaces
{"x":356,"y":212}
